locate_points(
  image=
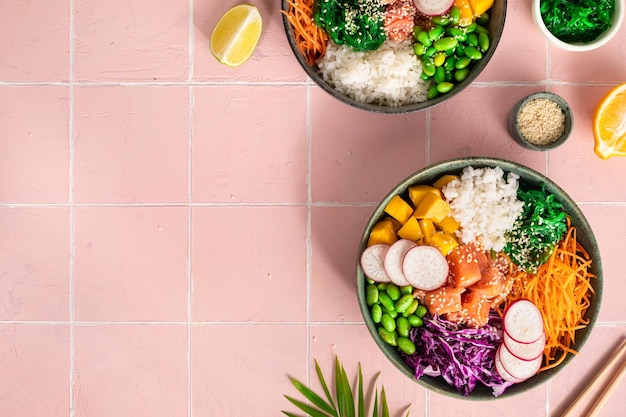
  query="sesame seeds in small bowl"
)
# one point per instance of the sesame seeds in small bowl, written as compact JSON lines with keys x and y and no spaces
{"x":541,"y":121}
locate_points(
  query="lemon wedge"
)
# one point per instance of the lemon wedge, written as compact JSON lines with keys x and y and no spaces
{"x":236,"y":34}
{"x":609,"y":124}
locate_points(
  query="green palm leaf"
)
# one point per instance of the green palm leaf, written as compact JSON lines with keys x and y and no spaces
{"x":313,"y":412}
{"x":320,"y":376}
{"x":383,"y":403}
{"x":345,"y":399}
{"x":375,"y":408}
{"x":361,"y":397}
{"x":343,"y":404}
{"x":314,"y":398}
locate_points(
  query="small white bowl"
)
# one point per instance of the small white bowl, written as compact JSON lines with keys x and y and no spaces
{"x":618,"y":18}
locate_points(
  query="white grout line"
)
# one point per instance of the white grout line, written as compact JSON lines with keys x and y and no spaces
{"x":72,"y":248}
{"x":190,"y":215}
{"x":309,"y":240}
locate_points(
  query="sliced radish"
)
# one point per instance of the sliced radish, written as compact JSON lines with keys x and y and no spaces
{"x":372,"y":260}
{"x":433,"y":7}
{"x":393,"y":261}
{"x":425,"y":268}
{"x":516,"y":367}
{"x":523,"y":322}
{"x":526,"y":351}
{"x":503,"y":372}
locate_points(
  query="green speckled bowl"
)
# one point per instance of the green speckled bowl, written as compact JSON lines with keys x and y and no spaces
{"x":584,"y":235}
{"x":495,"y":28}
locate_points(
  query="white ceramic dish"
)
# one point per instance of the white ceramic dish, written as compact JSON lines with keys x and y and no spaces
{"x":618,"y":18}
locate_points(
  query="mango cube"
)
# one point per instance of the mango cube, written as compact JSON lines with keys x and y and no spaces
{"x":399,"y":209}
{"x":432,"y":207}
{"x":428,"y":229}
{"x":417,"y":193}
{"x":448,"y":225}
{"x":443,"y":181}
{"x":411,"y":230}
{"x":383,"y":232}
{"x":444,"y":242}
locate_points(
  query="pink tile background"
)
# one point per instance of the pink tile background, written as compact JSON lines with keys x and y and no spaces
{"x":136,"y":40}
{"x":178,"y":238}
{"x":37,"y":358}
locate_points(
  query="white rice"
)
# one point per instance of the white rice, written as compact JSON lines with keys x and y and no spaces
{"x":387,"y":76}
{"x":485,"y":204}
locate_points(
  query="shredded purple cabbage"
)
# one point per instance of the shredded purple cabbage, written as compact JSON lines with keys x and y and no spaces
{"x":462,"y":356}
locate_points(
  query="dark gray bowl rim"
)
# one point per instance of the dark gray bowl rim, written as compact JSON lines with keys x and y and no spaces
{"x":528,"y":176}
{"x":408,"y":108}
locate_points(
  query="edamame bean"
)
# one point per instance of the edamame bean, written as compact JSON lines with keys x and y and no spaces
{"x":421,"y":311}
{"x":428,"y":66}
{"x":472,"y":39}
{"x":424,"y":39}
{"x":415,"y":321}
{"x":445,"y":87}
{"x":483,"y":19}
{"x":404,"y":303}
{"x":460,"y":49}
{"x":370,"y":281}
{"x":407,"y":289}
{"x":461,"y":74}
{"x":462,"y":62}
{"x":445,"y":44}
{"x":471,"y":27}
{"x":393,"y":291}
{"x":439,"y":59}
{"x":419,"y":49}
{"x":390,"y":338}
{"x":481,"y":29}
{"x":449,"y":64}
{"x":473,"y":53}
{"x":416,"y":31}
{"x":440,"y":20}
{"x":388,"y":322}
{"x":405,"y":345}
{"x":458,"y":34}
{"x":425,"y":76}
{"x":432,"y":92}
{"x":381,"y":286}
{"x":371,"y":294}
{"x":455,"y":15}
{"x":435,"y":32}
{"x":402,"y":326}
{"x":377,"y":313}
{"x":386,"y":301}
{"x":430,"y":52}
{"x":483,"y":41}
{"x":412,"y":308}
{"x":440,"y":75}
{"x":392,"y":313}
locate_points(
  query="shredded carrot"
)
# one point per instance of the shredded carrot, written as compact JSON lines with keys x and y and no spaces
{"x":310,"y":39}
{"x":561,"y":289}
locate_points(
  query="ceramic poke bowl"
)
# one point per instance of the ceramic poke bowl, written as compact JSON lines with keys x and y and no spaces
{"x":377,"y":80}
{"x":405,"y":360}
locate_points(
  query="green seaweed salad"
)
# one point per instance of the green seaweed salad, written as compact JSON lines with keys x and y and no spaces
{"x":356,"y":23}
{"x":538,"y":229}
{"x":577,"y":20}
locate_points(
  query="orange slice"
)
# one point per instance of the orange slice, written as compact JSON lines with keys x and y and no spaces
{"x":609,"y":124}
{"x":236,"y":34}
